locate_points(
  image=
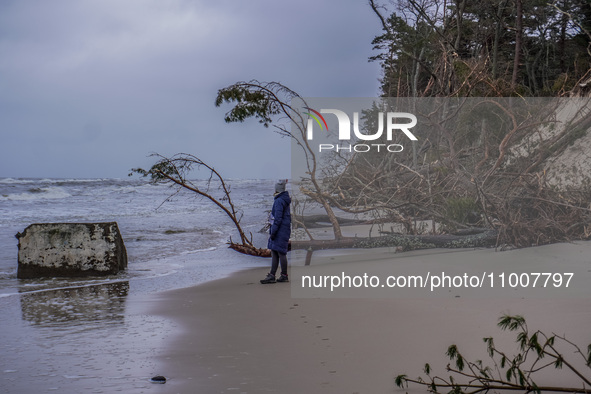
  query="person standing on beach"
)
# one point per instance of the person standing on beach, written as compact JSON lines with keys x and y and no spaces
{"x":279,"y":233}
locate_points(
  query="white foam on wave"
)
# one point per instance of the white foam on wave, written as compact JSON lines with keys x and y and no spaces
{"x":53,"y":180}
{"x":125,"y":189}
{"x":6,"y":274}
{"x":77,"y":377}
{"x":199,"y":250}
{"x":17,"y":181}
{"x":42,"y":193}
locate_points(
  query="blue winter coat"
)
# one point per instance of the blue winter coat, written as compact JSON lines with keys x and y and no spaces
{"x":281,"y":225}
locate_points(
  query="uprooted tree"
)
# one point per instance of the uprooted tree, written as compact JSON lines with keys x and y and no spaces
{"x":175,"y":171}
{"x":270,"y":102}
{"x":537,"y":353}
{"x":484,"y":173}
{"x":522,"y":173}
{"x":517,"y":167}
{"x":480,"y":163}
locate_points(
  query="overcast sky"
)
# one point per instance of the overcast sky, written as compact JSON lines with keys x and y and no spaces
{"x":89,"y":88}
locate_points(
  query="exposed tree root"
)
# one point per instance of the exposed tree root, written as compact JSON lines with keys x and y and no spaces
{"x":250,"y":250}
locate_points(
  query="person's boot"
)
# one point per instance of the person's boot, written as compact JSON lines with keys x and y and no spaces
{"x":283,"y":278}
{"x":270,"y":278}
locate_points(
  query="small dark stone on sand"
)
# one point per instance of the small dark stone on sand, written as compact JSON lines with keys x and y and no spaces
{"x":158,"y":379}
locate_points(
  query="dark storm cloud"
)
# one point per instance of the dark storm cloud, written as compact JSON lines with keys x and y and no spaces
{"x":88,"y":89}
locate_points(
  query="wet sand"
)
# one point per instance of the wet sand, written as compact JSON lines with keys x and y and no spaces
{"x":238,"y":336}
{"x":96,"y":339}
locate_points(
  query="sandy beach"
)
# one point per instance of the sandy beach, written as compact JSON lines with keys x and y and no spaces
{"x":235,"y":335}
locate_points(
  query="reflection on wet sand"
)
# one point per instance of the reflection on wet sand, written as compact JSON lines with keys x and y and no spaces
{"x":97,"y":338}
{"x":104,"y":304}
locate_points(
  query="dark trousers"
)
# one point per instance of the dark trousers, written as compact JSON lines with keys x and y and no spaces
{"x":276,"y":258}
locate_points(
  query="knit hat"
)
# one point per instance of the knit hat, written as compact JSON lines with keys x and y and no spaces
{"x":280,"y":186}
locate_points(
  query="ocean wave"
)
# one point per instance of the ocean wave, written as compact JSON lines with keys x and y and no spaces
{"x":89,"y":180}
{"x":126,"y":189}
{"x":8,"y":274}
{"x":37,"y":193}
{"x":20,"y":181}
{"x":186,"y":230}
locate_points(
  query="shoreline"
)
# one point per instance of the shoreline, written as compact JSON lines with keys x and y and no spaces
{"x":92,"y":337}
{"x":236,"y":335}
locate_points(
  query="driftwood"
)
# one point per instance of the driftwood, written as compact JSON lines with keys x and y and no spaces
{"x":471,"y":239}
{"x":316,"y":221}
{"x":249,"y":250}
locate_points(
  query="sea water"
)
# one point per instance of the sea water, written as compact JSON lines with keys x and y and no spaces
{"x":90,"y":334}
{"x":167,"y":231}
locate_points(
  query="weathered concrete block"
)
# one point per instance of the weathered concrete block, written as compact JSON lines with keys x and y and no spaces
{"x":70,"y":249}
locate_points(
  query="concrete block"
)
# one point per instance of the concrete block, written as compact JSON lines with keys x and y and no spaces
{"x":70,"y":249}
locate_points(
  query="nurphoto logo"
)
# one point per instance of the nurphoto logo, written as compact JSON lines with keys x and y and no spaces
{"x":394,"y":121}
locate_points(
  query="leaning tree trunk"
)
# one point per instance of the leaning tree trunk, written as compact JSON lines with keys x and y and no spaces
{"x":466,"y":239}
{"x":518,"y":37}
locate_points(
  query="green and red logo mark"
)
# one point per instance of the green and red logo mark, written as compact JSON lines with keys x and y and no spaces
{"x":315,"y":115}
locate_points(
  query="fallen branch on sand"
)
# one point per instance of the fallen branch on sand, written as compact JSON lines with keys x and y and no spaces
{"x":482,"y":238}
{"x":537,"y":352}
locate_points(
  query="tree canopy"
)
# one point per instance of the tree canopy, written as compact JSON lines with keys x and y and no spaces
{"x":448,"y":48}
